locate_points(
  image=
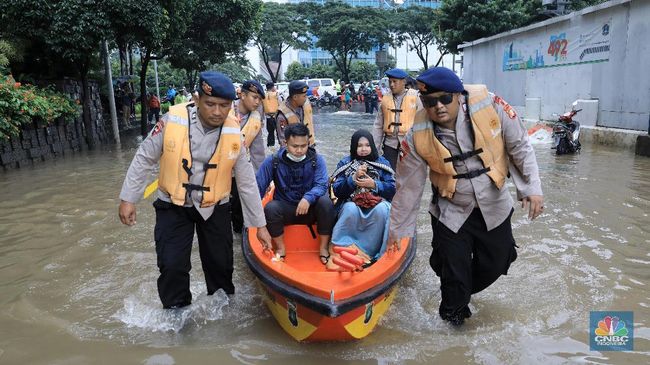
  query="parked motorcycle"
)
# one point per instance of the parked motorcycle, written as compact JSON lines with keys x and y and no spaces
{"x":566,"y":133}
{"x":328,"y":99}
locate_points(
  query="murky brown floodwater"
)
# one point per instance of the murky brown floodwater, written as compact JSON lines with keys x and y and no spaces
{"x":77,"y":287}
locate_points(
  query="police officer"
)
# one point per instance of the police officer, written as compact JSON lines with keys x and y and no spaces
{"x":466,"y":138}
{"x":395,"y":117}
{"x":271,"y":104}
{"x":247,"y":110}
{"x":296,"y":109}
{"x":199,"y":148}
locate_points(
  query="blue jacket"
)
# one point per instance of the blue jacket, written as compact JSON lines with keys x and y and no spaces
{"x":343,"y":186}
{"x":294,"y":180}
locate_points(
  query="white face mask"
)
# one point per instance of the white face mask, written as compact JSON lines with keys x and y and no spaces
{"x":295,"y":158}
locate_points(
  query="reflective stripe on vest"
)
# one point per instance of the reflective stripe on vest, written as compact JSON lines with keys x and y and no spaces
{"x":487,"y":136}
{"x":408,"y":108}
{"x":292,"y":118}
{"x":176,"y":160}
{"x":270,"y":102}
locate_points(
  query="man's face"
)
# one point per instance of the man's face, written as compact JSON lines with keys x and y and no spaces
{"x":213,"y":110}
{"x":442,"y":107}
{"x":396,"y":85}
{"x":299,"y":99}
{"x":251,"y":100}
{"x":297,"y":145}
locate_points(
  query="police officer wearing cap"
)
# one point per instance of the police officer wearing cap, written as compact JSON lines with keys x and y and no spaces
{"x":296,"y":109}
{"x":271,"y":104}
{"x":199,"y":148}
{"x":469,"y":141}
{"x":248,"y":111}
{"x":396,"y":114}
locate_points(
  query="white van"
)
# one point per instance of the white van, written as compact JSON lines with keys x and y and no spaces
{"x":323,"y":85}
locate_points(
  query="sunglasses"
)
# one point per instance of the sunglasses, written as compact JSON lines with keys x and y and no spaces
{"x":431,"y":101}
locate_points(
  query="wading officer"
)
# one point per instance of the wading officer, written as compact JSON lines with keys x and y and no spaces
{"x":296,"y":109}
{"x":199,"y":147}
{"x":465,"y":138}
{"x":396,"y":115}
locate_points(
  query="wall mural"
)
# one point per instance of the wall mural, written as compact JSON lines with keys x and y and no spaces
{"x":567,"y":48}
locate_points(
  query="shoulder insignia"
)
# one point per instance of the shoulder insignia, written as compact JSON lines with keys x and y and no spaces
{"x":512,"y":114}
{"x":405,"y":150}
{"x":158,"y":128}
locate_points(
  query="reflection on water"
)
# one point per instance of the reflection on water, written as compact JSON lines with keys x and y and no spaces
{"x":82,"y":287}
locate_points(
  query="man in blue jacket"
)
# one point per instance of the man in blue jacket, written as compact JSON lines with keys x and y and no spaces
{"x":300,"y":178}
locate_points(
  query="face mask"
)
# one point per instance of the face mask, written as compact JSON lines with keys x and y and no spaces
{"x":295,"y":158}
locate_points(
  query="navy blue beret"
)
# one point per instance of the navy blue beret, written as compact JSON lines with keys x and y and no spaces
{"x":253,"y":86}
{"x":297,"y":87}
{"x":439,"y":79}
{"x":396,"y":73}
{"x":216,"y":84}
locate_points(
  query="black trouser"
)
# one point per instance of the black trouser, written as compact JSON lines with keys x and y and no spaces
{"x":280,"y":213}
{"x":174,"y":233}
{"x":366,"y":101}
{"x":154,"y":112}
{"x":470,"y":260}
{"x":391,"y":154}
{"x":270,"y":128}
{"x":236,"y":211}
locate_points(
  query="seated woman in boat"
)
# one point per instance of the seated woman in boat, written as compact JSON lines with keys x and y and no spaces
{"x":364,"y":186}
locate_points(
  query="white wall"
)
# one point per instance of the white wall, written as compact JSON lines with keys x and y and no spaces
{"x":621,"y":83}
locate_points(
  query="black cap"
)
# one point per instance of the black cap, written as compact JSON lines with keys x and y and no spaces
{"x":297,"y":87}
{"x":254,"y":87}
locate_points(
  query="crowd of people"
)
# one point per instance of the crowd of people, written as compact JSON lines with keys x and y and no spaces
{"x":214,"y":173}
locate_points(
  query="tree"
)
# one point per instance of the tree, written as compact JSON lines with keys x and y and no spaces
{"x":467,"y":20}
{"x":345,"y":31}
{"x":320,"y":70}
{"x":70,"y":29}
{"x":418,"y":28}
{"x":296,"y":71}
{"x":363,"y":71}
{"x":237,"y":68}
{"x":282,"y":28}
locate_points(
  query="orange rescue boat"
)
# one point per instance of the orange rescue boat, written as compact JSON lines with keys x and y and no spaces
{"x":313,"y":304}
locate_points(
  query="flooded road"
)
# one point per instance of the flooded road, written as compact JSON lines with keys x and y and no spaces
{"x":78,"y":287}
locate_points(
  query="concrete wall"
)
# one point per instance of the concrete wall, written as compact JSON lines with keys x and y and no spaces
{"x":619,"y":80}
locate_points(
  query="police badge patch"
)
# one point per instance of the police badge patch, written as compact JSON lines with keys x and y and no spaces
{"x":404,"y":150}
{"x":157,"y":128}
{"x":512,"y":114}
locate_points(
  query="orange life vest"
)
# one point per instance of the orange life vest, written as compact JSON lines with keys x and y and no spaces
{"x":176,"y":158}
{"x":271,"y":102}
{"x":407,"y":111}
{"x":292,"y":118}
{"x":488,"y":142}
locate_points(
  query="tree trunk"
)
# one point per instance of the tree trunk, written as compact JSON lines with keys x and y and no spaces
{"x":89,"y":126}
{"x":144,"y":63}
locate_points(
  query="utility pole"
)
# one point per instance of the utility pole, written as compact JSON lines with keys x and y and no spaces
{"x":111,"y":92}
{"x":155,"y":68}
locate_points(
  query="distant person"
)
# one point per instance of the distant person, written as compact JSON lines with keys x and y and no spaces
{"x":171,"y":95}
{"x":198,"y":149}
{"x":396,"y":115}
{"x":154,"y":108}
{"x":364,"y":185}
{"x":271,"y":104}
{"x":468,"y":141}
{"x":301,"y":194}
{"x":296,"y":109}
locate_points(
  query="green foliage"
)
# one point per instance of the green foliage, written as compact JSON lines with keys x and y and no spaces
{"x":363,"y":71}
{"x":282,"y":27}
{"x":23,"y":104}
{"x":345,"y":31}
{"x":239,"y":70}
{"x":418,"y":28}
{"x":295,"y":71}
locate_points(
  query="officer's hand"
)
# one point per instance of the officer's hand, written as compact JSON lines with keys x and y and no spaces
{"x":303,"y":207}
{"x":127,"y":213}
{"x":536,"y":205}
{"x":264,"y":237}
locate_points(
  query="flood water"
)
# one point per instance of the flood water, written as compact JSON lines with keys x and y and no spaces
{"x":78,"y":287}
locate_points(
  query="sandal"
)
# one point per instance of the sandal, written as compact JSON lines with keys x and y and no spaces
{"x":324,"y":258}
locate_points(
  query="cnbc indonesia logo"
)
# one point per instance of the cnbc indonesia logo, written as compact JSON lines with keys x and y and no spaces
{"x":610,"y":332}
